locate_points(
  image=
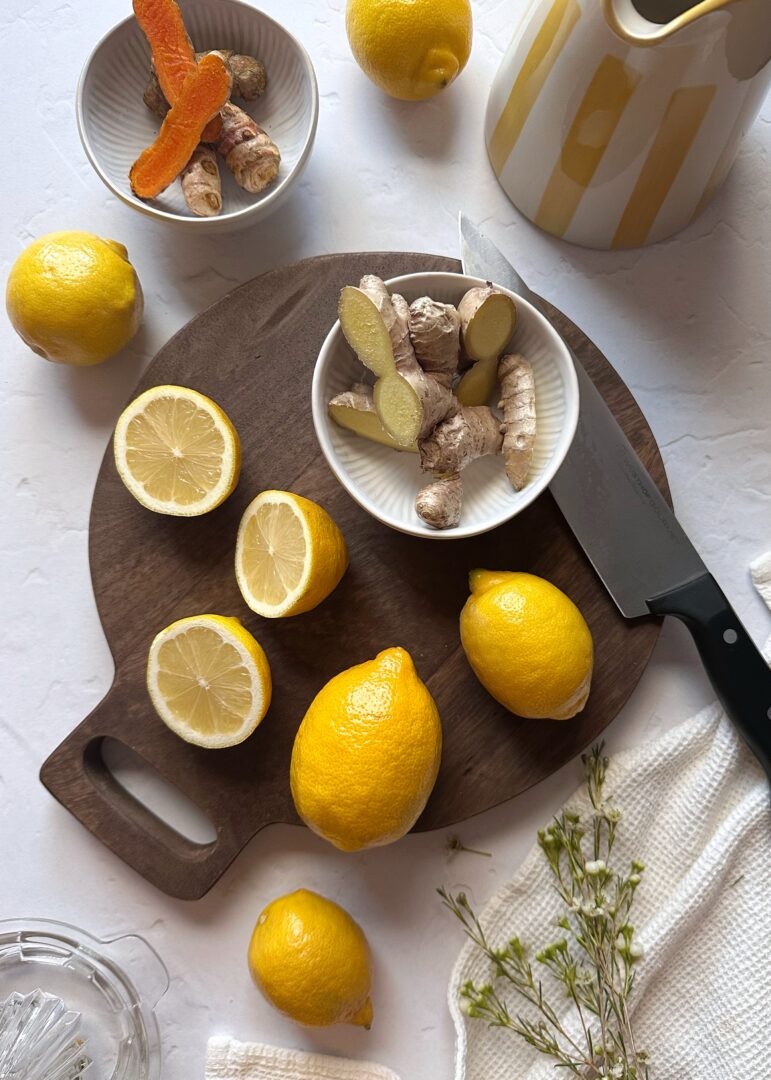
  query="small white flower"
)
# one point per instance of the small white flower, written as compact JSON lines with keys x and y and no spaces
{"x":621,"y":943}
{"x":595,"y":867}
{"x":636,"y":950}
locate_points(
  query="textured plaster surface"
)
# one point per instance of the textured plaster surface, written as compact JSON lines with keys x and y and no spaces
{"x":686,"y":323}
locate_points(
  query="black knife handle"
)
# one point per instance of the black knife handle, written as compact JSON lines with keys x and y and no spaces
{"x":736,"y":668}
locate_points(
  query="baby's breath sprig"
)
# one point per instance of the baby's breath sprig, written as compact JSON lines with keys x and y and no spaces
{"x":593,"y":957}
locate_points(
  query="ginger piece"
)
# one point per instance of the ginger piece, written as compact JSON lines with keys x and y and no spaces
{"x":203,"y":94}
{"x":173,"y":55}
{"x":472,"y":432}
{"x":435,"y":335}
{"x":439,"y":503}
{"x":376,"y":325}
{"x":249,"y":153}
{"x":519,"y":421}
{"x":201,"y":185}
{"x":249,"y":76}
{"x":355,"y":410}
{"x":488,"y":317}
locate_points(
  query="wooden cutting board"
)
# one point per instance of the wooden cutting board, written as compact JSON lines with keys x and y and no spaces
{"x":253,"y":352}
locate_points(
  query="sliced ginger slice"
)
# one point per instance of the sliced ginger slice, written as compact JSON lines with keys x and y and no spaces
{"x":176,"y":451}
{"x":488,"y":318}
{"x":209,"y":680}
{"x":355,"y":411}
{"x":290,"y":555}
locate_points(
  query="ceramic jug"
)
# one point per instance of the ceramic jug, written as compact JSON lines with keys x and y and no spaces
{"x":612,"y":123}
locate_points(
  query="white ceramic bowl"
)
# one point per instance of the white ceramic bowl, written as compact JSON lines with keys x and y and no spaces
{"x":385,"y":482}
{"x":115,"y":125}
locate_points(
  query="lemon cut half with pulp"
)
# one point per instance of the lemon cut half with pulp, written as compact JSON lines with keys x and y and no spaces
{"x":209,"y":680}
{"x":290,"y":555}
{"x":176,"y":451}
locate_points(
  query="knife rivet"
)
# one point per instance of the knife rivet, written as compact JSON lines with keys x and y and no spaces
{"x":730,"y":637}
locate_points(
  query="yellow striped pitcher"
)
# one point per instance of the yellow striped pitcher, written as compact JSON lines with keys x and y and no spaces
{"x":612,"y":123}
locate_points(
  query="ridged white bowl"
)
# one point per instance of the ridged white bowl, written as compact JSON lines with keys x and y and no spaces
{"x":385,"y":482}
{"x":115,"y":125}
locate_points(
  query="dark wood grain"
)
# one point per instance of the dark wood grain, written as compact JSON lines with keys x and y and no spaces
{"x":254,"y":352}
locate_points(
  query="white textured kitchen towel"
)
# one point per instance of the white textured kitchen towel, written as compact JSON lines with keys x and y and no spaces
{"x":227,"y":1059}
{"x":696,"y":810}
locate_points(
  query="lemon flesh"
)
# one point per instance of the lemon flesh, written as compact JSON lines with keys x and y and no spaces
{"x":176,"y":451}
{"x":290,"y":555}
{"x":411,"y":49}
{"x":311,"y":961}
{"x":74,"y":298}
{"x":209,"y":680}
{"x":528,"y":644}
{"x":366,"y":755}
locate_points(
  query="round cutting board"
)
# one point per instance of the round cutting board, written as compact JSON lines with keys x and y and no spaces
{"x":253,"y":352}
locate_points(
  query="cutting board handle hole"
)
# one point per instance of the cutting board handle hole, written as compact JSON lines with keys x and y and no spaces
{"x":128,"y":780}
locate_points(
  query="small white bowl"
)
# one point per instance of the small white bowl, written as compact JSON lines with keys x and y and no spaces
{"x":115,"y":125}
{"x":385,"y":482}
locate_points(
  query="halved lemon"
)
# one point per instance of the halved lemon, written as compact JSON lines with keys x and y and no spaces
{"x":209,"y":680}
{"x":290,"y":555}
{"x":176,"y":451}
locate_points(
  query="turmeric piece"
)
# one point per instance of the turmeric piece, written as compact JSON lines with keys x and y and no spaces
{"x":172,"y":51}
{"x":201,"y":185}
{"x":249,"y":76}
{"x":203,"y":94}
{"x":249,"y":152}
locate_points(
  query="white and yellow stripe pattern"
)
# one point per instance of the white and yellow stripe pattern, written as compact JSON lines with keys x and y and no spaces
{"x":611,"y":143}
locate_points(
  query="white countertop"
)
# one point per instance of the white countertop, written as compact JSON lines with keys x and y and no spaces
{"x":686,"y":323}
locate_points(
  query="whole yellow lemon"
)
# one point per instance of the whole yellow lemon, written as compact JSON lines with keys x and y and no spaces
{"x":311,"y":961}
{"x":528,"y":644}
{"x":74,"y":298}
{"x":411,"y":49}
{"x":366,"y":755}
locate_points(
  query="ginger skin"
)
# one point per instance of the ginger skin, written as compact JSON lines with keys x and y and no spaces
{"x":439,"y":503}
{"x":517,"y":403}
{"x":249,"y":76}
{"x":200,"y":180}
{"x":435,"y":335}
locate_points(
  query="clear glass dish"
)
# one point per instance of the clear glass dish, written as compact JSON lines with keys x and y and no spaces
{"x":114,"y":984}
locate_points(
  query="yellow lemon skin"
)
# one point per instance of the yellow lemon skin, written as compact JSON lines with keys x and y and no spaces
{"x":312,"y":962}
{"x":411,"y":49}
{"x":367,"y":753}
{"x":74,"y":298}
{"x":528,"y":644}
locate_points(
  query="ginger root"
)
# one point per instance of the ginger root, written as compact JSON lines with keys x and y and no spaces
{"x":488,"y":317}
{"x":354,"y":410}
{"x":249,"y":76}
{"x":518,"y":406}
{"x":439,"y":503}
{"x":435,"y":335}
{"x":201,"y":185}
{"x":249,"y":153}
{"x":472,"y":432}
{"x":173,"y":56}
{"x":203,"y":94}
{"x":377,"y":327}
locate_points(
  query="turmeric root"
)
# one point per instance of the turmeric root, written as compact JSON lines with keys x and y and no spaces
{"x":355,"y":410}
{"x":172,"y":51}
{"x":249,"y":153}
{"x":376,"y":325}
{"x":472,"y":432}
{"x":201,"y":184}
{"x":249,"y":76}
{"x":518,"y":406}
{"x":435,"y":334}
{"x":203,"y":94}
{"x":488,"y":317}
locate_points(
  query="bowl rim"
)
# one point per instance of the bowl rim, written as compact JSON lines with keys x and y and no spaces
{"x":529,"y":494}
{"x":230,"y":217}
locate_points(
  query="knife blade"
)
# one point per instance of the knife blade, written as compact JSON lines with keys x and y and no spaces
{"x":632,"y":538}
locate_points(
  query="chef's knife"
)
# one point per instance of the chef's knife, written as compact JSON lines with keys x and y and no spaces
{"x":633,"y":540}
